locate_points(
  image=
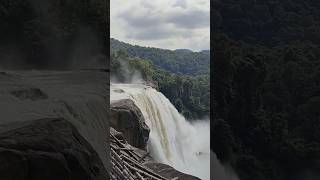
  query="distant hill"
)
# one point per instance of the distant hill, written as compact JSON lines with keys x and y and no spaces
{"x":181,"y":75}
{"x":182,"y":61}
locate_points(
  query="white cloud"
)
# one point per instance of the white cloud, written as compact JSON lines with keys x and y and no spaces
{"x":169,"y":24}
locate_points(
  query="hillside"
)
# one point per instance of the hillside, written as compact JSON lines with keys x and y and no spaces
{"x":266,"y":90}
{"x":189,"y":93}
{"x":178,"y":61}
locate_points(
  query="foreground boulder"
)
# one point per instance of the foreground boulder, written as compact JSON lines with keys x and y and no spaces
{"x":127,"y":118}
{"x":47,"y":149}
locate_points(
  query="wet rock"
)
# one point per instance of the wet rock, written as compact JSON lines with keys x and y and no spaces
{"x":129,"y":125}
{"x":118,"y":91}
{"x":78,"y":97}
{"x":169,"y":172}
{"x":30,"y":93}
{"x":48,"y":149}
{"x":128,"y":119}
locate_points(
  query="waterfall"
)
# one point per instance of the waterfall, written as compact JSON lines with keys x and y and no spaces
{"x":173,"y":140}
{"x":220,"y":172}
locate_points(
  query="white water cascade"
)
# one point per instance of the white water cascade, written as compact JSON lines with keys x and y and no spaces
{"x":173,"y":140}
{"x":220,"y":172}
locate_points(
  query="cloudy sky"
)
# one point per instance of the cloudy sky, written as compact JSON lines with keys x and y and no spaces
{"x":169,"y":24}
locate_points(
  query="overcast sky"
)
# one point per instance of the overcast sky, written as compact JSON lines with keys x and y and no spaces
{"x":168,"y":24}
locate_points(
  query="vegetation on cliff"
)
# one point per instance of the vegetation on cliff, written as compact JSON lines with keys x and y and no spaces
{"x":181,"y":61}
{"x":189,"y":94}
{"x":266,"y":88}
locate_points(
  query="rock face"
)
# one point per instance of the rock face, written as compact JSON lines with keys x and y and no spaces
{"x":169,"y":172}
{"x":79,"y":98}
{"x":129,"y":167}
{"x":130,"y":126}
{"x":48,"y":149}
{"x":128,"y":119}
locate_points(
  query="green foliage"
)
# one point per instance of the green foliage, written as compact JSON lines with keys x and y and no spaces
{"x":266,"y":86}
{"x":189,"y":94}
{"x":178,"y":61}
{"x":125,"y":68}
{"x":269,"y":97}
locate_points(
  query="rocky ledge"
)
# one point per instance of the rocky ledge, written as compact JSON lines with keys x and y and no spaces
{"x":48,"y":149}
{"x":130,"y":134}
{"x":54,"y":125}
{"x":128,"y":119}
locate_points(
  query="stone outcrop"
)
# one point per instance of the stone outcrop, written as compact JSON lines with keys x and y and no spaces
{"x":168,"y":171}
{"x":128,"y":119}
{"x":73,"y":135}
{"x":131,"y":129}
{"x":130,"y":162}
{"x":48,"y":149}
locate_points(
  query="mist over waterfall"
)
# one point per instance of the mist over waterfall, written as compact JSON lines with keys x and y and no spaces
{"x":220,"y":172}
{"x":173,"y":140}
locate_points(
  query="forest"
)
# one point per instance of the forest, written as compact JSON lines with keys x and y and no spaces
{"x":181,"y":61}
{"x":188,"y":92}
{"x":266,"y":88}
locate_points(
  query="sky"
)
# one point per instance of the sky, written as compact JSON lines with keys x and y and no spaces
{"x":167,"y":24}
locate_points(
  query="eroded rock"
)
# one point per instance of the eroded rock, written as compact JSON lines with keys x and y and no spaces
{"x":169,"y":172}
{"x":127,"y":118}
{"x":29,"y":93}
{"x":47,"y":149}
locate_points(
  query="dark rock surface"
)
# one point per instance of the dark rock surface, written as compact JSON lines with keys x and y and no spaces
{"x":141,"y":152}
{"x":169,"y":172}
{"x":47,"y":149}
{"x":76,"y":99}
{"x":127,"y":118}
{"x":29,"y":93}
{"x":130,"y":126}
{"x":146,"y":164}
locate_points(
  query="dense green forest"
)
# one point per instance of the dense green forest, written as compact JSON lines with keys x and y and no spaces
{"x":189,"y":94}
{"x":266,"y":88}
{"x":178,"y":61}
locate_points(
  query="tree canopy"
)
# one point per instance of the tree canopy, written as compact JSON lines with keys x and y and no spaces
{"x":178,"y":61}
{"x":189,"y":94}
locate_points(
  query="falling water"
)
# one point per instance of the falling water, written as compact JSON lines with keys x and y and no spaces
{"x":173,"y":140}
{"x":220,"y":172}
